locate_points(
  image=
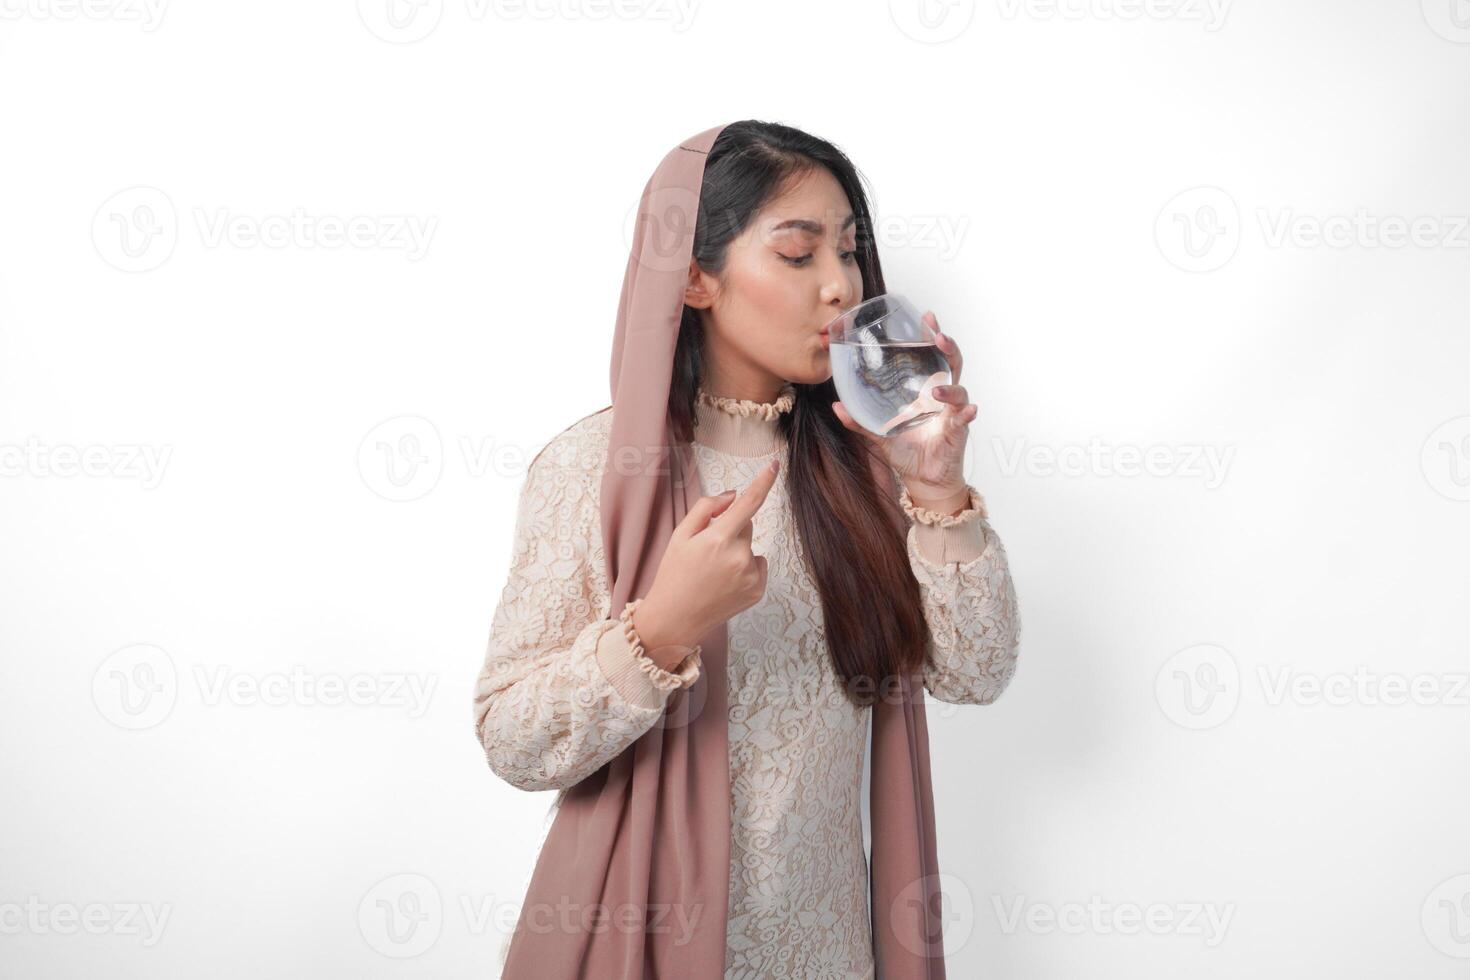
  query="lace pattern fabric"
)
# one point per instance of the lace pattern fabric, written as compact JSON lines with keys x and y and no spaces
{"x":548,"y":716}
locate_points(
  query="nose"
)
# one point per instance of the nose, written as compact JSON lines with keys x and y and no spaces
{"x":841,"y":299}
{"x":837,"y":292}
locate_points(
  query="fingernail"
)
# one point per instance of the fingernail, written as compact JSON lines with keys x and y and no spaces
{"x":775,"y":466}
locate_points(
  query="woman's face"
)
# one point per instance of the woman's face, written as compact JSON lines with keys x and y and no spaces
{"x":790,"y":271}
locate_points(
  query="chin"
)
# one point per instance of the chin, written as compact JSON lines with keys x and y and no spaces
{"x":814,"y":374}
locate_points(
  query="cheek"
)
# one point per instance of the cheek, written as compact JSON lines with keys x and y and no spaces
{"x":770,"y":297}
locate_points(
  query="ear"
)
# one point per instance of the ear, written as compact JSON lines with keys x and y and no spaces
{"x":700,"y":292}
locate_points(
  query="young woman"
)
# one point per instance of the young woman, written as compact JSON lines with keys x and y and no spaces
{"x":784,"y":564}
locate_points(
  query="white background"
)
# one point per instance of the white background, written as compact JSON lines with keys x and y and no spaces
{"x":1038,"y":172}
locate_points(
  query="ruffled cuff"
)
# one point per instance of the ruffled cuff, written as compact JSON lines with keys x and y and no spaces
{"x":632,"y":673}
{"x":975,"y":508}
{"x":947,"y":538}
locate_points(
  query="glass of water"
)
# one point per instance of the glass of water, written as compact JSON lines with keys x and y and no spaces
{"x":885,"y":361}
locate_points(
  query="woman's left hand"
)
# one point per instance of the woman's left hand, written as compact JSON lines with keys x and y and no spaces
{"x":930,"y":458}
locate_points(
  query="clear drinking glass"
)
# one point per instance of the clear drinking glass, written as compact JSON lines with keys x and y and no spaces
{"x":885,"y":360}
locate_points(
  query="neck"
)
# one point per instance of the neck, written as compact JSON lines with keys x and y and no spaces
{"x":741,"y":426}
{"x":731,"y":376}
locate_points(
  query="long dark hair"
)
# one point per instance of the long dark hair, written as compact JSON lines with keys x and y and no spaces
{"x":858,"y":558}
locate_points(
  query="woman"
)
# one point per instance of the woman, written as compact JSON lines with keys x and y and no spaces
{"x":715,"y":725}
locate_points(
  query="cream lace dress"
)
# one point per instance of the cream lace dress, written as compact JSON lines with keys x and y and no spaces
{"x":565,"y":688}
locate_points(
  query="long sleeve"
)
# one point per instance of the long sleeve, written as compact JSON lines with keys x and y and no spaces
{"x":969,"y":601}
{"x":564,"y":688}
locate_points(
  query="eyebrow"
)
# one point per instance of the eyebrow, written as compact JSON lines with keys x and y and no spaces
{"x":807,"y":224}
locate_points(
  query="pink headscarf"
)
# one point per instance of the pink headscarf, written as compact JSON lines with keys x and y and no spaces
{"x":651,"y":829}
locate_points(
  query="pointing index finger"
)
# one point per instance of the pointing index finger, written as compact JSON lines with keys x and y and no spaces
{"x":749,"y":500}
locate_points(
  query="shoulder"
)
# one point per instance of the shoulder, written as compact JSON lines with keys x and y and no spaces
{"x":574,"y":457}
{"x":559,"y":511}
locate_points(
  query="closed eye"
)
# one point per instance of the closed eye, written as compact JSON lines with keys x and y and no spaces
{"x":801,"y":260}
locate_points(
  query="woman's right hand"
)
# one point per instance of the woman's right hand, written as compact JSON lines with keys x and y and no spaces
{"x":708,"y":572}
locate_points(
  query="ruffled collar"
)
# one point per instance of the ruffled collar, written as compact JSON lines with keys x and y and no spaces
{"x":741,"y":426}
{"x":746,"y":407}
